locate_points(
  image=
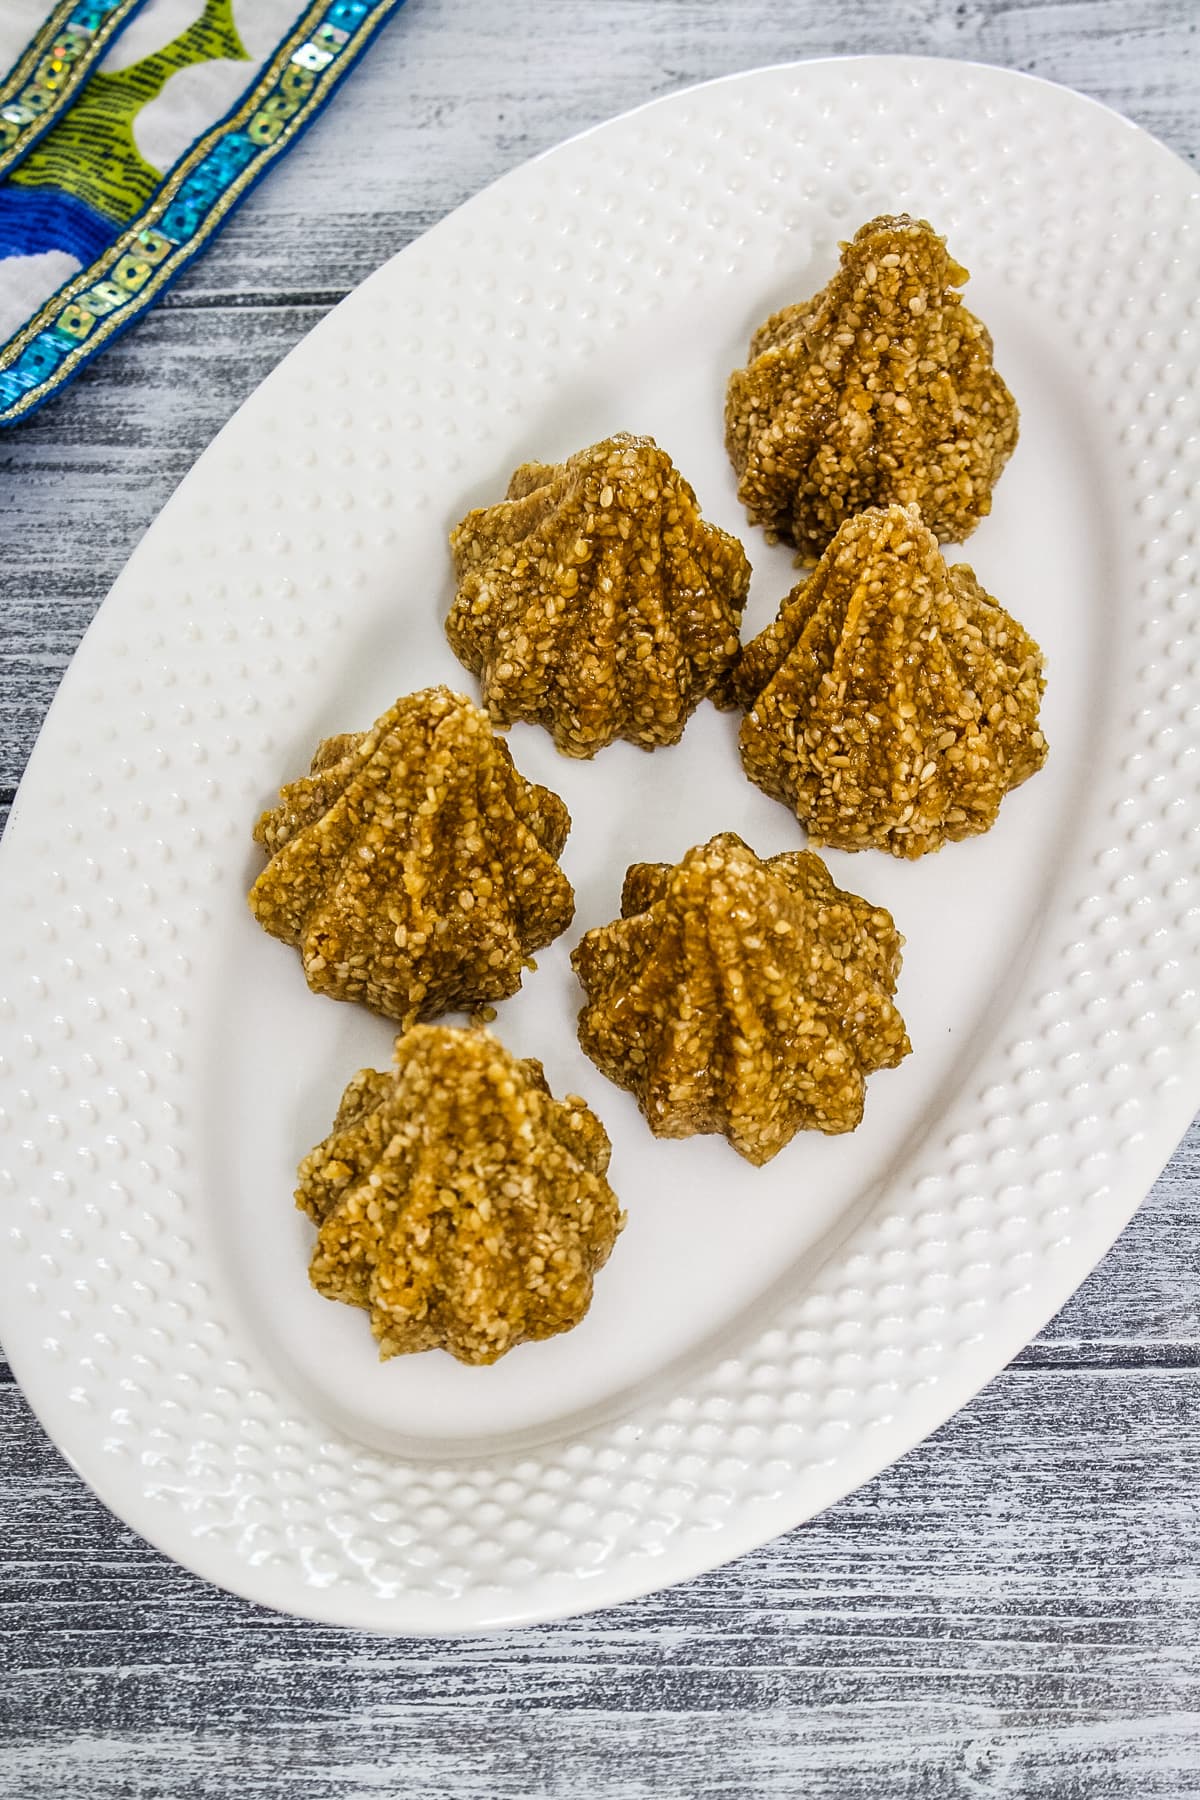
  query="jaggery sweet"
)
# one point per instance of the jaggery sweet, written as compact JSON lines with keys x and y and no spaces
{"x":881,"y":388}
{"x":414,"y":868}
{"x":595,"y":601}
{"x":457,"y":1201}
{"x":741,"y":995}
{"x":892,"y":703}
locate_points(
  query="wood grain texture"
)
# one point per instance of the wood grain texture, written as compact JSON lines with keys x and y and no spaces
{"x":1014,"y":1609}
{"x":955,"y":1628}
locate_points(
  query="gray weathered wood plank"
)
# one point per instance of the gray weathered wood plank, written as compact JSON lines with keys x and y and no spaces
{"x":952,"y":1629}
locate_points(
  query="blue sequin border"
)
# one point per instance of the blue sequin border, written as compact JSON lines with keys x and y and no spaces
{"x":190,"y":205}
{"x":53,"y":67}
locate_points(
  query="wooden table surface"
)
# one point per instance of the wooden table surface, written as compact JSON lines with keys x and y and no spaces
{"x":1012,"y":1610}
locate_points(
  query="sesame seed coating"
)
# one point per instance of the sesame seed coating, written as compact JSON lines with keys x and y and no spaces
{"x":414,"y":868}
{"x":880,"y":388}
{"x":892,"y":703}
{"x":743,"y":996}
{"x":594,"y":599}
{"x":457,"y":1201}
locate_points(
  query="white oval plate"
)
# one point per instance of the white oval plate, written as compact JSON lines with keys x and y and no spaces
{"x":762,"y":1340}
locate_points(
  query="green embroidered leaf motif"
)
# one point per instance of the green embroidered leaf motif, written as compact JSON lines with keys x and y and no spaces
{"x":91,"y":153}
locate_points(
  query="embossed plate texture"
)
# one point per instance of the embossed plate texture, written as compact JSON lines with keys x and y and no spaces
{"x":762,"y":1340}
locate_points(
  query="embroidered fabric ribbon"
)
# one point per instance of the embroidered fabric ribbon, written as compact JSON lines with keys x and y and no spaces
{"x":129,"y":131}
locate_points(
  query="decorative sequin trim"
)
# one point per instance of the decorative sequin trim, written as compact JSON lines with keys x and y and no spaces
{"x":190,"y":206}
{"x":51,"y":70}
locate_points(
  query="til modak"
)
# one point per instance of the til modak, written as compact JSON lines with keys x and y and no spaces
{"x":893,"y":703}
{"x":414,"y":868}
{"x":594,"y":600}
{"x":742,"y":995}
{"x":457,"y":1201}
{"x":881,"y":388}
